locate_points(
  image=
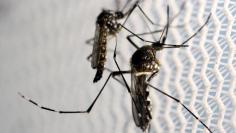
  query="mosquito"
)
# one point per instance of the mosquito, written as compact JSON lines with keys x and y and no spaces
{"x":106,"y":25}
{"x":144,"y":66}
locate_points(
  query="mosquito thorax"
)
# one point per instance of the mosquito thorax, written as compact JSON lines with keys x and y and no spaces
{"x":107,"y":19}
{"x":144,"y":60}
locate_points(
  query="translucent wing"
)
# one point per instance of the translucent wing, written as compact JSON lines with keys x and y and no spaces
{"x":95,"y":52}
{"x":135,"y":112}
{"x":141,"y":104}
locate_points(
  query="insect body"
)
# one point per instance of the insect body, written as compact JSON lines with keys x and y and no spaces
{"x":143,"y":64}
{"x":106,"y":25}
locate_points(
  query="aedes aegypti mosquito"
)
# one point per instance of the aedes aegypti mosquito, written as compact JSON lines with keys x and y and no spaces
{"x":144,"y":66}
{"x":107,"y":25}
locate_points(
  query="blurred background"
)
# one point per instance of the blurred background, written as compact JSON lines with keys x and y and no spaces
{"x":43,"y":55}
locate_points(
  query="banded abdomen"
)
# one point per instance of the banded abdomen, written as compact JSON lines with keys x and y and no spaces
{"x":99,"y":52}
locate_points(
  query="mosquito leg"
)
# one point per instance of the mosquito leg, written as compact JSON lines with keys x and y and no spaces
{"x":47,"y":108}
{"x":114,"y":58}
{"x":151,"y":21}
{"x":123,"y":72}
{"x":126,"y":84}
{"x":145,"y":15}
{"x":178,"y":101}
{"x":208,"y":18}
{"x":128,"y":13}
{"x":136,"y":35}
{"x":132,"y":42}
{"x":127,"y":2}
{"x":152,"y":76}
{"x":176,"y":15}
{"x":152,"y":32}
{"x":89,"y":41}
{"x":148,"y":18}
{"x":89,"y":57}
{"x":141,"y":34}
{"x":117,"y":3}
{"x":168,"y":23}
{"x":83,"y":111}
{"x":163,"y":38}
{"x":118,"y":74}
{"x":197,"y":30}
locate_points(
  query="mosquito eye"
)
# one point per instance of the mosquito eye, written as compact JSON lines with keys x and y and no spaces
{"x":119,"y":15}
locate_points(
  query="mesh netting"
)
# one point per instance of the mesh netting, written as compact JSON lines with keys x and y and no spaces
{"x":203,"y":75}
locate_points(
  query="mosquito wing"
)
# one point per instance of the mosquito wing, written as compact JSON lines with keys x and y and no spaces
{"x":141,"y":104}
{"x":96,"y":51}
{"x":135,"y":102}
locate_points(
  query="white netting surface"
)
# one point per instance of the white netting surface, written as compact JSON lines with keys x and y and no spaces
{"x":43,"y":55}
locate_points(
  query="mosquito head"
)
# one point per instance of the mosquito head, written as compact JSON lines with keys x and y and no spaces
{"x":119,"y":15}
{"x":158,"y":46}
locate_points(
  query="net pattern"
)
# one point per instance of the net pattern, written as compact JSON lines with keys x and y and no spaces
{"x":203,"y":75}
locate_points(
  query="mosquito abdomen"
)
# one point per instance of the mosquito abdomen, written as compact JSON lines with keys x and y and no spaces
{"x":99,"y":52}
{"x":106,"y":25}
